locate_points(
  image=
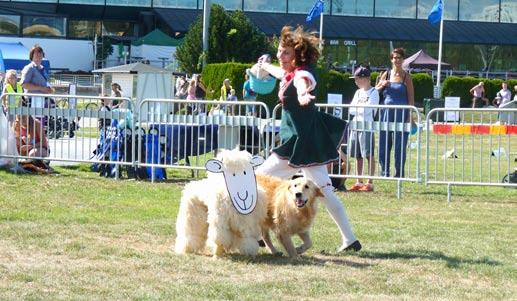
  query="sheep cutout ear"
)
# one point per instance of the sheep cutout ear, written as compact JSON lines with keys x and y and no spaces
{"x":214,"y":166}
{"x":256,"y":161}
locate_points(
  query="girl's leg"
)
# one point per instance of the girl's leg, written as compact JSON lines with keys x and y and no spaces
{"x":275,"y":166}
{"x":319,"y":175}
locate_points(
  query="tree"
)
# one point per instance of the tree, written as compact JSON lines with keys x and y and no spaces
{"x":232,"y":37}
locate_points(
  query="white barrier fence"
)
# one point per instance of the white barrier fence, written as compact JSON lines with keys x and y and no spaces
{"x":184,"y":134}
{"x":471,"y":147}
{"x":394,"y":153}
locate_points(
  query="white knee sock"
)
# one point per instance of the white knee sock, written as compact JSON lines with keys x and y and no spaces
{"x":338,"y":213}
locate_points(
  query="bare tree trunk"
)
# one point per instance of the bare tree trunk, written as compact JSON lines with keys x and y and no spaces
{"x":487,"y":53}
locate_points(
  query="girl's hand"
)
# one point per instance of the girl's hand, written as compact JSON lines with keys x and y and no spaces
{"x":305,"y":98}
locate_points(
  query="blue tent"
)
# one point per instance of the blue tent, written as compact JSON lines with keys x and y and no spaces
{"x":16,"y":56}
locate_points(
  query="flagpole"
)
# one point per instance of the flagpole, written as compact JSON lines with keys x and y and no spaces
{"x":321,"y":32}
{"x":440,"y":42}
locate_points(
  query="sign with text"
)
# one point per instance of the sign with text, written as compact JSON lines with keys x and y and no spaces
{"x":336,"y":99}
{"x":452,"y":102}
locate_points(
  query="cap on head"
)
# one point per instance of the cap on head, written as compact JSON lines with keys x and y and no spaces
{"x":361,"y":72}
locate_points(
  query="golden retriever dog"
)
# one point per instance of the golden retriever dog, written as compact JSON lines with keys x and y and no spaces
{"x":291,"y":208}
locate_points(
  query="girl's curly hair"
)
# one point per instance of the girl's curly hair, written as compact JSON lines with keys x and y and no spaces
{"x":305,"y":44}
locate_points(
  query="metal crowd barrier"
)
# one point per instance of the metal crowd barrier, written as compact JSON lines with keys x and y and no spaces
{"x":184,"y":134}
{"x":68,"y":134}
{"x":349,"y":167}
{"x":463,"y":146}
{"x":471,"y":147}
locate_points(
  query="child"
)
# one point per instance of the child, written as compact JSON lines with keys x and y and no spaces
{"x":361,"y":142}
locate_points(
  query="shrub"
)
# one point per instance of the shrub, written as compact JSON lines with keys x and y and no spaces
{"x":423,"y":86}
{"x":456,"y":86}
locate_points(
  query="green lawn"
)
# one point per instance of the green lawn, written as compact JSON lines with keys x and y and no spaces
{"x":74,"y":235}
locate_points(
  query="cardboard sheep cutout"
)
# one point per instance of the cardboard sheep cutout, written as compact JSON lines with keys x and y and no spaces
{"x":241,"y":184}
{"x":224,"y":212}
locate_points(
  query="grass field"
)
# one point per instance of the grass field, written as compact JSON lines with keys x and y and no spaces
{"x":74,"y":235}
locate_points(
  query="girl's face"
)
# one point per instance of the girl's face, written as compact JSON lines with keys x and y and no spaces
{"x":285,"y":56}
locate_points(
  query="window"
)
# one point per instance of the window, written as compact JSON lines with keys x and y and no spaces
{"x":304,"y":6}
{"x":9,"y":24}
{"x":144,"y":3}
{"x":43,"y":26}
{"x":90,"y":2}
{"x":83,"y":29}
{"x":352,"y":7}
{"x":450,"y":11}
{"x":479,"y":10}
{"x":176,"y":3}
{"x":508,"y":11}
{"x":395,"y":9}
{"x":227,"y":4}
{"x":273,"y":6}
{"x":117,"y":28}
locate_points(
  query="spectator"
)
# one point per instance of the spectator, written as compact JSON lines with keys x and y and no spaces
{"x":103,"y":123}
{"x":200,"y":88}
{"x":12,"y":86}
{"x":200,"y":94}
{"x":191,"y":94}
{"x":35,"y":77}
{"x":309,"y":138}
{"x":191,"y":91}
{"x":232,"y":96}
{"x":116,"y":91}
{"x":248,"y":95}
{"x":361,"y":142}
{"x":225,"y":89}
{"x":30,"y":138}
{"x":478,"y":91}
{"x":181,"y":87}
{"x":503,"y":96}
{"x":397,"y":88}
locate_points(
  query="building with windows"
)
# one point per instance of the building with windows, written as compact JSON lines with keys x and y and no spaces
{"x":477,"y":34}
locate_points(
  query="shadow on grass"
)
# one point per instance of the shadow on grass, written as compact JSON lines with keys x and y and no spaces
{"x":172,"y":179}
{"x":316,"y":260}
{"x":452,"y":262}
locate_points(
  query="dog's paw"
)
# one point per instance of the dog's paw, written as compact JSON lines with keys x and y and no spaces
{"x":300,"y":250}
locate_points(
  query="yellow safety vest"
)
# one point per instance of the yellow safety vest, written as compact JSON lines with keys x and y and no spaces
{"x":19,"y":89}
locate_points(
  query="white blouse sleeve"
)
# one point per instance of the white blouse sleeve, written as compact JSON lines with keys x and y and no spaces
{"x":304,"y":75}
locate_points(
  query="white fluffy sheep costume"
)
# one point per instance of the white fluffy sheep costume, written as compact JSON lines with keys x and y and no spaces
{"x":223,"y":212}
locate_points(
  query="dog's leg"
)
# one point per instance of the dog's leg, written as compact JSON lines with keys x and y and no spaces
{"x":288,"y":244}
{"x":218,"y":251}
{"x":307,"y":242}
{"x":267,"y":240}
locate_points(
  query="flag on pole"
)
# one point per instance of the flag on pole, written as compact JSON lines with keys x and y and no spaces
{"x":436,"y":12}
{"x":316,"y":10}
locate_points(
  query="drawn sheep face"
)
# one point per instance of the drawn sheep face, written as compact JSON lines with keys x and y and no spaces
{"x":240,"y":182}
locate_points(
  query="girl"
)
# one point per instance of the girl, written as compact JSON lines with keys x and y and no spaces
{"x":309,"y":138}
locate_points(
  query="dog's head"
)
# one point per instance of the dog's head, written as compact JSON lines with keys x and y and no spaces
{"x":303,"y":191}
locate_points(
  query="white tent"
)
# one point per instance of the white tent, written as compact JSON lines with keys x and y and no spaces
{"x":156,"y":47}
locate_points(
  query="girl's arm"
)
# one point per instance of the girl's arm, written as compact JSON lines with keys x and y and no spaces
{"x":305,"y":83}
{"x":275,"y":71}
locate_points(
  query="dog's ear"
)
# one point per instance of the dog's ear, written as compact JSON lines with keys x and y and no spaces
{"x":318,"y":192}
